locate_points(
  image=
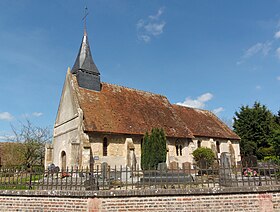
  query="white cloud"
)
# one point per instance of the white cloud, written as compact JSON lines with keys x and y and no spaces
{"x":4,"y":138}
{"x":277,"y":35}
{"x":159,"y":13}
{"x":278,"y":52}
{"x":262,"y":48}
{"x":199,"y":102}
{"x":218,"y":110}
{"x":278,"y":78}
{"x":34,"y":114}
{"x":258,"y":48}
{"x":154,"y":29}
{"x":144,"y":38}
{"x":258,"y":87}
{"x":6,"y":116}
{"x":205,"y":97}
{"x":150,"y":27}
{"x":37,"y":114}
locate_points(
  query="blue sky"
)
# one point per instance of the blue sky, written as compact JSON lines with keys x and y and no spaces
{"x":216,"y":55}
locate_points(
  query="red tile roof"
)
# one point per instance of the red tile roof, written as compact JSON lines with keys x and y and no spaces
{"x":117,"y":109}
{"x":204,"y":123}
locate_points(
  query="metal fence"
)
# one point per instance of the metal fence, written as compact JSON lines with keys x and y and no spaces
{"x":124,"y":178}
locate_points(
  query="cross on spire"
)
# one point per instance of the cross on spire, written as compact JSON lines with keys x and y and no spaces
{"x":85,"y":20}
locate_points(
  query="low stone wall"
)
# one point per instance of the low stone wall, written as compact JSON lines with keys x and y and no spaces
{"x":264,"y":198}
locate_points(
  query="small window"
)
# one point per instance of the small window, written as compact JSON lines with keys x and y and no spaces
{"x":105,"y":146}
{"x":63,"y":160}
{"x":198,"y":143}
{"x":218,"y":146}
{"x":181,"y":148}
{"x":177,"y":150}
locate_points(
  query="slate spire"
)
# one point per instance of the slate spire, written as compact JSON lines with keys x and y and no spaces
{"x":84,"y":68}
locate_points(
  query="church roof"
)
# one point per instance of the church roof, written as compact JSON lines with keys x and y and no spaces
{"x":204,"y":123}
{"x":122,"y":110}
{"x":84,"y":59}
{"x":117,"y":109}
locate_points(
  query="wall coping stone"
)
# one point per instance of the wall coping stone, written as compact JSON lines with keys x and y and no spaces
{"x":141,"y":192}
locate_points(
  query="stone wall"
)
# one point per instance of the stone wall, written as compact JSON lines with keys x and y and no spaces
{"x":265,"y":198}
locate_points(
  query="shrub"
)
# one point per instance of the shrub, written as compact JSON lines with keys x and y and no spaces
{"x":204,"y":157}
{"x":273,"y":159}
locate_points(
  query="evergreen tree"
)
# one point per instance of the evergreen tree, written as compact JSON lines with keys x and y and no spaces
{"x":145,"y":156}
{"x":277,"y":118}
{"x":275,"y":141}
{"x":153,"y":149}
{"x":255,"y":127}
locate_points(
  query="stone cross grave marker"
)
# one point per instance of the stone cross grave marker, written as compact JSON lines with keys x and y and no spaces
{"x":225,"y":169}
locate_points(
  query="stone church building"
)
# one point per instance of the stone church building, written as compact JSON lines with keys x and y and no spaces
{"x":101,"y":122}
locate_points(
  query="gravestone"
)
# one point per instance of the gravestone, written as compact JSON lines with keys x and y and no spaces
{"x":173,"y":165}
{"x":186,"y":167}
{"x":162,"y":167}
{"x":225,"y":160}
{"x":232,"y":154}
{"x":225,"y":169}
{"x":104,"y":170}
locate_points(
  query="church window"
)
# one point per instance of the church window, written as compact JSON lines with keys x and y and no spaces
{"x":198,"y":143}
{"x":181,"y":148}
{"x":218,"y":146}
{"x":105,"y":147}
{"x":177,"y":150}
{"x":63,"y":160}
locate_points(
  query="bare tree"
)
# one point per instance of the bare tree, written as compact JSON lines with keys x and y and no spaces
{"x":33,"y":140}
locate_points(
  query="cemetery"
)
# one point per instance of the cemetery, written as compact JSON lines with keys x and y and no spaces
{"x":222,"y":173}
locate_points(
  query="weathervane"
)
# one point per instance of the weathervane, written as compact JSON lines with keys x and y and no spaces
{"x":85,"y":20}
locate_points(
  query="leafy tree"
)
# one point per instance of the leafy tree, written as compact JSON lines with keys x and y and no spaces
{"x":255,"y":126}
{"x":204,"y":157}
{"x":153,"y":149}
{"x":33,"y":140}
{"x":275,"y":141}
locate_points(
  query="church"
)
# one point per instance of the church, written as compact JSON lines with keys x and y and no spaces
{"x":100,"y":122}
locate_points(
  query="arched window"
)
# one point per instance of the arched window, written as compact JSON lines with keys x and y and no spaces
{"x":181,"y":152}
{"x":177,"y":150}
{"x":198,"y":143}
{"x":218,"y":146}
{"x":63,"y":160}
{"x":105,"y":146}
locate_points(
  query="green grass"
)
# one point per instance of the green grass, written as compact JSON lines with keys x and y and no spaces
{"x":21,"y":182}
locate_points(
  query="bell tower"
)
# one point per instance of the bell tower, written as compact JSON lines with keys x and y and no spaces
{"x":84,"y":68}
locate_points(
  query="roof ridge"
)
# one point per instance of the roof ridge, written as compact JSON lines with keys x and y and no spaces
{"x":134,"y":89}
{"x":194,"y":108}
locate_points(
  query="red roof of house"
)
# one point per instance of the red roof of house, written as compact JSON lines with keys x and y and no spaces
{"x":204,"y":123}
